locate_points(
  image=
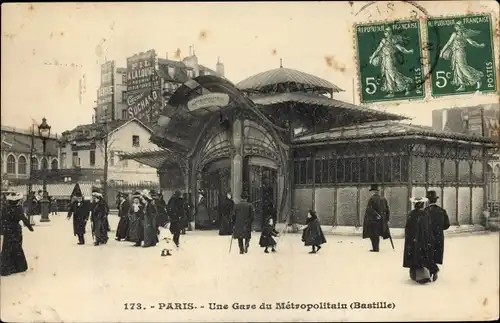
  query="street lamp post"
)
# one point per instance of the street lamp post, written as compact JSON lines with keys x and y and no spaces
{"x":44,"y":133}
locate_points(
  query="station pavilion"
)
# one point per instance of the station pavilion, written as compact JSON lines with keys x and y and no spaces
{"x":282,"y":137}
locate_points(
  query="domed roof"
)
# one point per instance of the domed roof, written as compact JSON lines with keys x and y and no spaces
{"x":266,"y":80}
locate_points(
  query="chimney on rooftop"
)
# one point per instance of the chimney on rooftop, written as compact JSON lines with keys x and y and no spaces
{"x":219,"y":67}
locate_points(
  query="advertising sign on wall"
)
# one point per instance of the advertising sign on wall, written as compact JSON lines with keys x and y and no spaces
{"x":141,"y":73}
{"x":105,"y":92}
{"x":144,"y":99}
{"x":145,"y":105}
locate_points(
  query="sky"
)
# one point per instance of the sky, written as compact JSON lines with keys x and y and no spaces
{"x":249,"y":38}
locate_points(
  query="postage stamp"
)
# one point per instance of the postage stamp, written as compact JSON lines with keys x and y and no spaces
{"x":463,"y":61}
{"x":389,"y":58}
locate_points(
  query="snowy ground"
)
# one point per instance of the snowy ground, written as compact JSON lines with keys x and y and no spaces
{"x":69,"y":283}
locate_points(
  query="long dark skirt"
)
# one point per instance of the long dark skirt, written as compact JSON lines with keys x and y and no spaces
{"x":225,"y":226}
{"x":150,"y":232}
{"x":122,"y":228}
{"x":13,"y":259}
{"x":101,"y":231}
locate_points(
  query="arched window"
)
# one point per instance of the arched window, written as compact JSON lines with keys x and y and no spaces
{"x":34,"y":163}
{"x":21,"y":165}
{"x":53,"y":164}
{"x":44,"y":164}
{"x":11,"y":164}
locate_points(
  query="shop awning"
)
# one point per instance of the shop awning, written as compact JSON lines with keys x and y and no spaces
{"x":153,"y":158}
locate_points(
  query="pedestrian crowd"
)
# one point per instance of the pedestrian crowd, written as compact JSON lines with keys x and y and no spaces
{"x":142,"y":216}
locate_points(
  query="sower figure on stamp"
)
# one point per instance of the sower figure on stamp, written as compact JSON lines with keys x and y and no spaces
{"x":439,"y":221}
{"x":377,"y":215}
{"x":242,"y":219}
{"x":99,"y":219}
{"x":175,"y":211}
{"x":123,"y":210}
{"x":149,"y":222}
{"x":80,"y":211}
{"x":417,"y":256}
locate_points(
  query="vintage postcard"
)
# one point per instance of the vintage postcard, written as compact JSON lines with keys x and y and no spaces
{"x":250,"y":161}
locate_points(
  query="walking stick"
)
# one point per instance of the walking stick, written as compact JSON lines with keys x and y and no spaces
{"x":231,"y":243}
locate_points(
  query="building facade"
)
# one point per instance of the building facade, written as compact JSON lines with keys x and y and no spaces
{"x":480,"y":120}
{"x":219,"y":137}
{"x":111,"y":95}
{"x":15,"y":154}
{"x":83,"y":152}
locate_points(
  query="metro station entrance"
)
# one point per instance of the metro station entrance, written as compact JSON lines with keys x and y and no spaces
{"x":260,"y":181}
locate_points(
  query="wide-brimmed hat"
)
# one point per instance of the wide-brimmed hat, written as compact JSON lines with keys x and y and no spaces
{"x":136,"y":194}
{"x":431,"y":195}
{"x":373,"y":187}
{"x":14,"y":196}
{"x":153,"y":193}
{"x":419,"y":200}
{"x":146,"y":194}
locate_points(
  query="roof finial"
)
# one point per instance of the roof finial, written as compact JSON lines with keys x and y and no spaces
{"x":194,"y":53}
{"x":218,"y":59}
{"x":281,"y":63}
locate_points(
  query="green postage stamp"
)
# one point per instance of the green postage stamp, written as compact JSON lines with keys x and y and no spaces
{"x":390,"y":65}
{"x":461,"y":55}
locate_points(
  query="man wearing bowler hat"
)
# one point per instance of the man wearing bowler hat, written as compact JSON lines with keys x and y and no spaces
{"x":439,"y":221}
{"x":376,"y":218}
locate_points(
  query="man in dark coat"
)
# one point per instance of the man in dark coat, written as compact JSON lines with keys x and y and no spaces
{"x":175,"y":211}
{"x":161,"y":206}
{"x":417,"y":254}
{"x":80,"y":211}
{"x":188,"y":213}
{"x":242,"y":219}
{"x":123,"y":211}
{"x":375,"y":224}
{"x":226,"y":209}
{"x":439,"y":221}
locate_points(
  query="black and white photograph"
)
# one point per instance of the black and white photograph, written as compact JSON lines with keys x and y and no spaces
{"x":250,"y":161}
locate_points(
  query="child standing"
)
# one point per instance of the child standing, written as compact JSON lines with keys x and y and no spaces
{"x":266,"y":237}
{"x":313,"y":235}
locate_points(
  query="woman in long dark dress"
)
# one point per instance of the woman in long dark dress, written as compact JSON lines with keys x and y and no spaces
{"x":417,"y":254}
{"x":99,"y":219}
{"x":123,"y":224}
{"x":313,"y":235}
{"x":13,"y":258}
{"x":226,"y":210}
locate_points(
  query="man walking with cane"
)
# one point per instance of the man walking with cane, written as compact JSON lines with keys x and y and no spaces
{"x":375,"y":224}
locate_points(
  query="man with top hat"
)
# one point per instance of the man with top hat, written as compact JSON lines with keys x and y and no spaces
{"x":123,"y":210}
{"x":439,"y":221}
{"x":149,"y":220}
{"x":80,"y":212}
{"x":242,"y":218}
{"x":375,"y":224}
{"x":99,"y":219}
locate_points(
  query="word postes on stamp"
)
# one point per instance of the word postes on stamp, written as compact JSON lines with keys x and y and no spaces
{"x":464,"y":61}
{"x":390,"y":61}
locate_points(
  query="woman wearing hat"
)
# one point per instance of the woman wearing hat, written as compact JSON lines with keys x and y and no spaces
{"x":99,"y":217}
{"x":123,"y":224}
{"x":417,"y":254}
{"x":136,"y":230}
{"x":149,"y":222}
{"x":226,"y":209}
{"x":13,"y":259}
{"x":202,"y":219}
